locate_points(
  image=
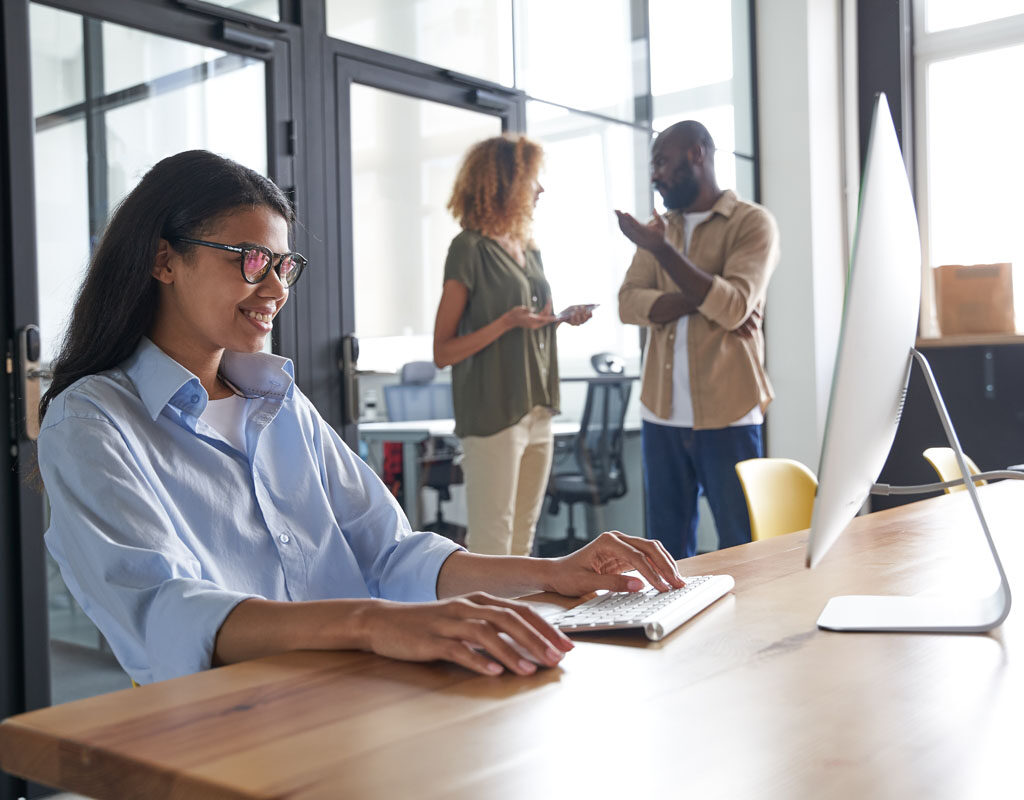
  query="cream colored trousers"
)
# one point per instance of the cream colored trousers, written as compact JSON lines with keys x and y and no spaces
{"x":506,"y":475}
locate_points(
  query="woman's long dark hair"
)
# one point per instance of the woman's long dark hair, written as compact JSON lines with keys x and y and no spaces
{"x":183,"y":195}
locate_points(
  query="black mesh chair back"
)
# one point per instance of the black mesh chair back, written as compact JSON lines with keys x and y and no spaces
{"x":598,"y":473}
{"x":598,"y":446}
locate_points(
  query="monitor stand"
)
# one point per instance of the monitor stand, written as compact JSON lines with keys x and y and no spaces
{"x":923,"y":613}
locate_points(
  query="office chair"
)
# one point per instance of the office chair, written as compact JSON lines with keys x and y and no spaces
{"x":607,"y":364}
{"x":599,"y":474}
{"x":943,"y":459}
{"x":779,"y":494}
{"x":417,"y":397}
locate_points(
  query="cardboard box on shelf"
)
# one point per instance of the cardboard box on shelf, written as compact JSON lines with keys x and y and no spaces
{"x":975,"y":298}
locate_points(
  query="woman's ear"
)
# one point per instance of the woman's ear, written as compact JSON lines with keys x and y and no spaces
{"x":163,"y":270}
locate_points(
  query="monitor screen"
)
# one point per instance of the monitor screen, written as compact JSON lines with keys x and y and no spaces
{"x":879,"y":326}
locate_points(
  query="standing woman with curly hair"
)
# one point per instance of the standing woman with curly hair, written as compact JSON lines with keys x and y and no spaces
{"x":495,"y":325}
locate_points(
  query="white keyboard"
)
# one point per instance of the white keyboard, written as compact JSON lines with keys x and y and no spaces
{"x":658,"y":613}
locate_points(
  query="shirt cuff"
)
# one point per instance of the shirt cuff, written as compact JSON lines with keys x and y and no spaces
{"x":716,"y":303}
{"x":412,"y":569}
{"x":637,"y":307}
{"x":182,"y":626}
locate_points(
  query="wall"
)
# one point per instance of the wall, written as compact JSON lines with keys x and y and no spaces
{"x":800,"y":102}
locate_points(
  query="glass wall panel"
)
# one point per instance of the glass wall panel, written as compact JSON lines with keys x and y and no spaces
{"x":691,"y":45}
{"x":591,"y":167}
{"x":941,"y":15}
{"x":203,"y":115}
{"x":62,"y":224}
{"x":58,"y":77}
{"x":132,"y":57}
{"x":473,"y":37}
{"x":405,"y":154}
{"x":746,"y":177}
{"x":700,"y":62}
{"x":974,"y":202}
{"x":581,"y":54}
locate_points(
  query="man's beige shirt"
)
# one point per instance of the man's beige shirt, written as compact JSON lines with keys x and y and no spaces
{"x":738,"y":245}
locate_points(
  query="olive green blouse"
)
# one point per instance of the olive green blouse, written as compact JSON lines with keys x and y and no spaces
{"x":499,"y":385}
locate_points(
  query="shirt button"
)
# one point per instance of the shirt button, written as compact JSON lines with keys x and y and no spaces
{"x":542,"y":345}
{"x":284,"y":538}
{"x":668,"y":366}
{"x":535,"y":298}
{"x":195,"y":398}
{"x":671,"y":336}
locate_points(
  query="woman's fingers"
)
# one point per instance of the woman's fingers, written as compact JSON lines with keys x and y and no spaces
{"x":523,"y":623}
{"x":465,"y":656}
{"x":512,"y":634}
{"x":637,"y":558}
{"x":659,"y":559}
{"x":502,"y":648}
{"x":537,"y":624}
{"x":646,"y":556}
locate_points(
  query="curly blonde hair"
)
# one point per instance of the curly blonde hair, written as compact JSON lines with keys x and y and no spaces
{"x":494,"y":190}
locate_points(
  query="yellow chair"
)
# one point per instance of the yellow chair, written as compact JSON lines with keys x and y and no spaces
{"x":779,"y":493}
{"x":943,"y":459}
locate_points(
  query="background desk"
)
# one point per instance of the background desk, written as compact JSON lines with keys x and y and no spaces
{"x":747,"y":700}
{"x":413,"y":433}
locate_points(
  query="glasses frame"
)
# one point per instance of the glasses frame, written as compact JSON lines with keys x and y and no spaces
{"x":299,"y":259}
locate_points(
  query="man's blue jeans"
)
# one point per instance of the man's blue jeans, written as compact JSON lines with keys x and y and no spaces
{"x":680,"y":464}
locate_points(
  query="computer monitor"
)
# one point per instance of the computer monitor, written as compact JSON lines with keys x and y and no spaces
{"x":869,"y":384}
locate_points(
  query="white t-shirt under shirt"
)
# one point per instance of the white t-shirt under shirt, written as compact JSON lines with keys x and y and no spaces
{"x":682,"y":405}
{"x":227,"y":417}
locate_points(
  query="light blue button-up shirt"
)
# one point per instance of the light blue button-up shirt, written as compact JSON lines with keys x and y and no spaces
{"x":160,"y":527}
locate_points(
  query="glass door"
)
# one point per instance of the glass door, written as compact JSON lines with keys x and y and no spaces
{"x":403,"y":131}
{"x":108,"y":102}
{"x":108,"y":99}
{"x":405,"y":154}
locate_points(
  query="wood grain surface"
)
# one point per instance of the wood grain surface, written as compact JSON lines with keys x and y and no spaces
{"x":749,"y":699}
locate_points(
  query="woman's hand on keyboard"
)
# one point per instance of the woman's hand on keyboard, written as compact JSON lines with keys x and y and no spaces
{"x":601,"y":563}
{"x":460,"y":629}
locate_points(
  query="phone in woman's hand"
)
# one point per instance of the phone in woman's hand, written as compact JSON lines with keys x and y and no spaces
{"x":572,"y":310}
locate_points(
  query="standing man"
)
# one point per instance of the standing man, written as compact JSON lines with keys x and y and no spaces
{"x":698,"y":282}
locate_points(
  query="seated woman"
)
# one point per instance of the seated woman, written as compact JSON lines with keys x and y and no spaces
{"x":203,"y":513}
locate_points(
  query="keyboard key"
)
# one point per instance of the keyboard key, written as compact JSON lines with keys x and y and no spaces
{"x":658,"y":613}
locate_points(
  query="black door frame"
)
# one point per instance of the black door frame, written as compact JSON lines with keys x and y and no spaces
{"x":24,"y":683}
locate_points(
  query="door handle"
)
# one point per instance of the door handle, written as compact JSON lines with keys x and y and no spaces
{"x":30,"y":378}
{"x":349,"y":379}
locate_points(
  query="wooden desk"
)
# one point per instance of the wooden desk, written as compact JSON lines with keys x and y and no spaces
{"x":749,"y":699}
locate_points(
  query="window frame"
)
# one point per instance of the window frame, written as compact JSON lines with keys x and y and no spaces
{"x":928,"y":49}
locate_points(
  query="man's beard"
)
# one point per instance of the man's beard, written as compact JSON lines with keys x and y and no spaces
{"x":682,"y":194}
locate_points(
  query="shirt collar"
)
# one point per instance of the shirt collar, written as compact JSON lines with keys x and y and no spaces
{"x":158,"y":377}
{"x":724,"y":205}
{"x":259,"y":374}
